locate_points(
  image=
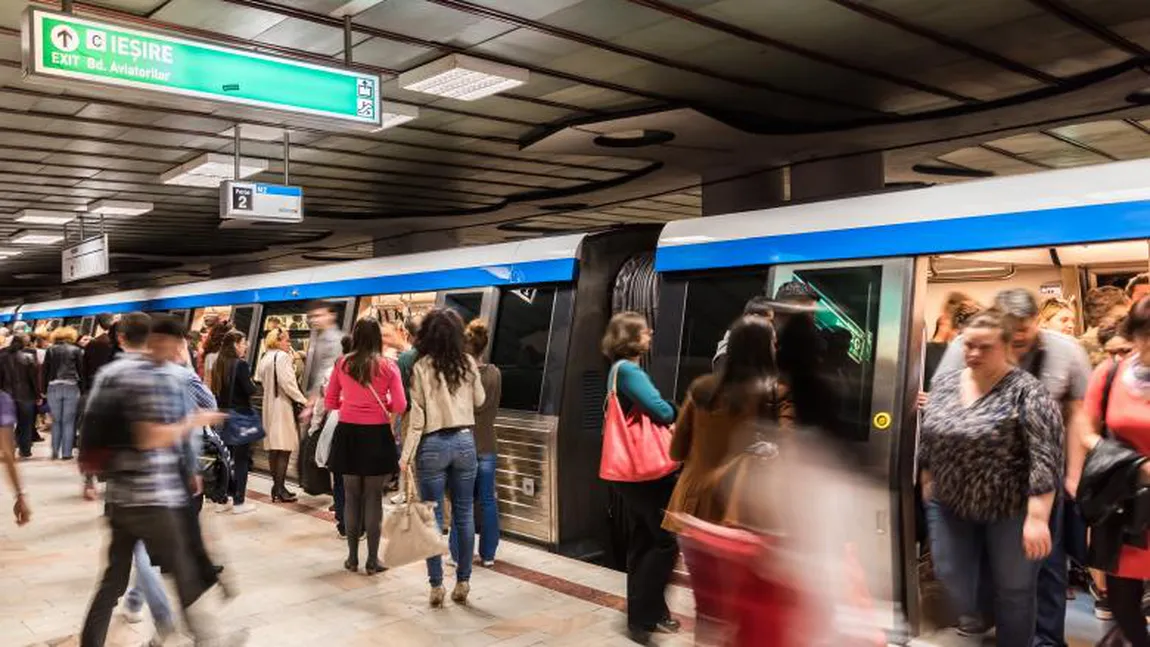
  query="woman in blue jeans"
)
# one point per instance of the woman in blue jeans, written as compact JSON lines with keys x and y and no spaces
{"x":475,"y":340}
{"x":991,"y":459}
{"x":62,"y":376}
{"x":445,"y":392}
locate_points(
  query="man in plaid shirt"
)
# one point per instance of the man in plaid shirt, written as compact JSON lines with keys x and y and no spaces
{"x":147,"y":492}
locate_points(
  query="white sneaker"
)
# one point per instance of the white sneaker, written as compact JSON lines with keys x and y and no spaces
{"x":133,"y":617}
{"x":243,"y":508}
{"x":488,"y":563}
{"x":223,"y":507}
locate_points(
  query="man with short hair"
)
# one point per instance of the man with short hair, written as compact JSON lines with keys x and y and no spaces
{"x":757,"y":306}
{"x":140,"y":416}
{"x":321,"y":316}
{"x":1060,"y":363}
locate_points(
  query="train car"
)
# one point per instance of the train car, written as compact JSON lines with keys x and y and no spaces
{"x":7,"y":315}
{"x":883,"y":264}
{"x":546,"y":302}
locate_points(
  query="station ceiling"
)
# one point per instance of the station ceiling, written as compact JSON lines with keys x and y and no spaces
{"x":948,"y":90}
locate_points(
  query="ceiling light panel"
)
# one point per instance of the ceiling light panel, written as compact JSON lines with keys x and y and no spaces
{"x":463,"y":77}
{"x":211,"y":169}
{"x":120,"y":207}
{"x":36,"y":237}
{"x":392,"y":114}
{"x":45,"y":217}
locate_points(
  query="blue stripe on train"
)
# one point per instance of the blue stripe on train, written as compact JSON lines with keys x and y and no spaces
{"x":546,"y":271}
{"x":1062,"y":226}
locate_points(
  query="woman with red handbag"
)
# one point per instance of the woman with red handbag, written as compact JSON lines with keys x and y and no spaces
{"x":636,"y":461}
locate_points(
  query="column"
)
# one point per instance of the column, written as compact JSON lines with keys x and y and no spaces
{"x":839,"y":177}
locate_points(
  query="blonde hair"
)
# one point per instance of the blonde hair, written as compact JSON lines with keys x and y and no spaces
{"x":476,"y":337}
{"x":995,"y":319}
{"x":64,"y":333}
{"x":273,"y":338}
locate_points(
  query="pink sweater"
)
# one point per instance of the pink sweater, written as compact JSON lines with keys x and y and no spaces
{"x":355,"y":402}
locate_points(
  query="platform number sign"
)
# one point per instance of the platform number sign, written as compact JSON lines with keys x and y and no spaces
{"x":242,"y":198}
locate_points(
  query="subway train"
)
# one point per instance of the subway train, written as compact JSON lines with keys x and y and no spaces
{"x":882,"y":265}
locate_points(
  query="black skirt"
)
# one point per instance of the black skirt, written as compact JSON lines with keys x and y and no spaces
{"x":363,"y":450}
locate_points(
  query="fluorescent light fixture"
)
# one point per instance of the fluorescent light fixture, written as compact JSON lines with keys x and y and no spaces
{"x":120,"y":207}
{"x":45,"y":217}
{"x":36,"y":237}
{"x":256,"y":131}
{"x":353,"y":7}
{"x":391,"y":114}
{"x":8,"y":252}
{"x":211,"y":169}
{"x":463,"y":77}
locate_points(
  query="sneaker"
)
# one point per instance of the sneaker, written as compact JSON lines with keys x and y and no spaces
{"x":971,"y":628}
{"x":488,"y":563}
{"x":243,"y":508}
{"x":223,"y":508}
{"x":668,"y":626}
{"x":1102,"y":608}
{"x":133,"y":616}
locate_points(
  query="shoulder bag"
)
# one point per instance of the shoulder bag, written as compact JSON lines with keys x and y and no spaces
{"x":241,"y":427}
{"x":635,"y":448}
{"x":410,"y":530}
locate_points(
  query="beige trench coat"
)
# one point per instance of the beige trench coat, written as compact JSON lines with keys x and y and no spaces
{"x":276,"y":373}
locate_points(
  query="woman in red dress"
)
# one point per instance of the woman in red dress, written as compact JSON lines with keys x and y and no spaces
{"x":1127,"y":417}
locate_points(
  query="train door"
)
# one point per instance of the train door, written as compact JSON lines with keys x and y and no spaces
{"x":246,"y":319}
{"x":479,"y":303}
{"x":344,"y":317}
{"x":862,"y":318}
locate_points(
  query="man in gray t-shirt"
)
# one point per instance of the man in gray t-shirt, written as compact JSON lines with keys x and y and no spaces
{"x":1061,"y":364}
{"x":321,"y":316}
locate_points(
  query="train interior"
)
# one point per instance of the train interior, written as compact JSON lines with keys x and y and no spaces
{"x":1064,"y":272}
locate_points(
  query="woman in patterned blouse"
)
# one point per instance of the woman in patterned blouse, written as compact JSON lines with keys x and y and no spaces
{"x":991,"y":458}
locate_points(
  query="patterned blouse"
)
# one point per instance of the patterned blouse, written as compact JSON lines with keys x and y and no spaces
{"x":988,"y":458}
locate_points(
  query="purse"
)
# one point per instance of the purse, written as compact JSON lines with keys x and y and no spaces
{"x":410,"y":530}
{"x":635,"y":448}
{"x":241,"y":428}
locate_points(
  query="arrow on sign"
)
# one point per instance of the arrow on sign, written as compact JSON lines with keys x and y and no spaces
{"x":65,"y":38}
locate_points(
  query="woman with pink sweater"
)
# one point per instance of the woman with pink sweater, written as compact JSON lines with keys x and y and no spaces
{"x":366,"y":389}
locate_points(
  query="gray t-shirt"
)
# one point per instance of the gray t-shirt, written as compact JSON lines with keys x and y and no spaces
{"x":1064,"y":371}
{"x":326,"y":351}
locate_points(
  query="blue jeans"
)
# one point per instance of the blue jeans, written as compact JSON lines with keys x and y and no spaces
{"x":1053,"y":576}
{"x":241,"y":463}
{"x":488,"y":512}
{"x":149,"y":588}
{"x":958,"y":546}
{"x":448,"y":458}
{"x":62,"y":401}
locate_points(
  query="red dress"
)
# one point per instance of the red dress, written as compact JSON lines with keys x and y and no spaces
{"x":1128,"y":418}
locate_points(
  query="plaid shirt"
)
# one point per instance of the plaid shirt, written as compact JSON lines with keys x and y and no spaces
{"x":149,"y":393}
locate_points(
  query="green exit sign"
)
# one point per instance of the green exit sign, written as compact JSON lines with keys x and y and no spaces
{"x":63,"y":46}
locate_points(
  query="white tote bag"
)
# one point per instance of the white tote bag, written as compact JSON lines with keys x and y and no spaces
{"x":323,"y":445}
{"x":411,"y":531}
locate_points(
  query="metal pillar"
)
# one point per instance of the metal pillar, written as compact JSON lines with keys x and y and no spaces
{"x":236,"y":150}
{"x":287,"y":153}
{"x":347,"y":39}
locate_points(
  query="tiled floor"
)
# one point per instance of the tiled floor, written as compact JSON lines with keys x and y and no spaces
{"x":287,"y":562}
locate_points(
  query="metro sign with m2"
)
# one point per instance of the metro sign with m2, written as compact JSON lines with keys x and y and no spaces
{"x":63,"y":46}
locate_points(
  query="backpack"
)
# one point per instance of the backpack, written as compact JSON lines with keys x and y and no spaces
{"x":216,"y":467}
{"x":103,"y":428}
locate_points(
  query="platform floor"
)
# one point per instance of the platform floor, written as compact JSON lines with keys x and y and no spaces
{"x":287,"y":560}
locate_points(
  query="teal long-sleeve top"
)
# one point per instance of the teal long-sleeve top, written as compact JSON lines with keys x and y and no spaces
{"x":635,"y":388}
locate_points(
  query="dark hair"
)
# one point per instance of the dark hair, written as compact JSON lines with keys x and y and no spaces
{"x":345,"y":344}
{"x":105,"y":320}
{"x":622,"y":338}
{"x":759,"y":306}
{"x":750,"y":371}
{"x":321,"y":305}
{"x":135,"y":327}
{"x":441,"y":339}
{"x":963,"y":313}
{"x":168,"y":325}
{"x":220,"y":379}
{"x":363,"y":362}
{"x":18,"y":342}
{"x":1138,"y":321}
{"x":1140,"y":279}
{"x":1100,"y":301}
{"x":1111,"y":329}
{"x":216,"y":335}
{"x":476,"y":337}
{"x":411,"y":325}
{"x":1016,"y":302}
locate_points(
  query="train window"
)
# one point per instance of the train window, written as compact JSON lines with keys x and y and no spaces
{"x":713,"y":303}
{"x":522,"y":332}
{"x":847,"y":321}
{"x":469,"y":305}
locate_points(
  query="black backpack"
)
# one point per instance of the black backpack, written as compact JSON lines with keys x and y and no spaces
{"x":216,"y":467}
{"x":103,"y":428}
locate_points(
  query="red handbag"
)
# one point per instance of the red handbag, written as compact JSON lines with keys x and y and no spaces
{"x":635,"y":448}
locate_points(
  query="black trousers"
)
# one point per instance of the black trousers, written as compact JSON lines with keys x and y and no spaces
{"x":651,"y":550}
{"x":164,"y":532}
{"x":1125,"y":597}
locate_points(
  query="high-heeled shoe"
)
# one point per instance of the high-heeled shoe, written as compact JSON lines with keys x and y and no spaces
{"x":460,"y":593}
{"x":284,"y":496}
{"x":438,"y":593}
{"x":373,"y":566}
{"x":351,"y":565}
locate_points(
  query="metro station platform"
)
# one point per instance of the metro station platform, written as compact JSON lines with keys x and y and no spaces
{"x":287,"y":561}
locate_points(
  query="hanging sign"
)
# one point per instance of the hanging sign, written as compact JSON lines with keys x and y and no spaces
{"x":63,"y":46}
{"x":260,"y":201}
{"x":85,"y":260}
